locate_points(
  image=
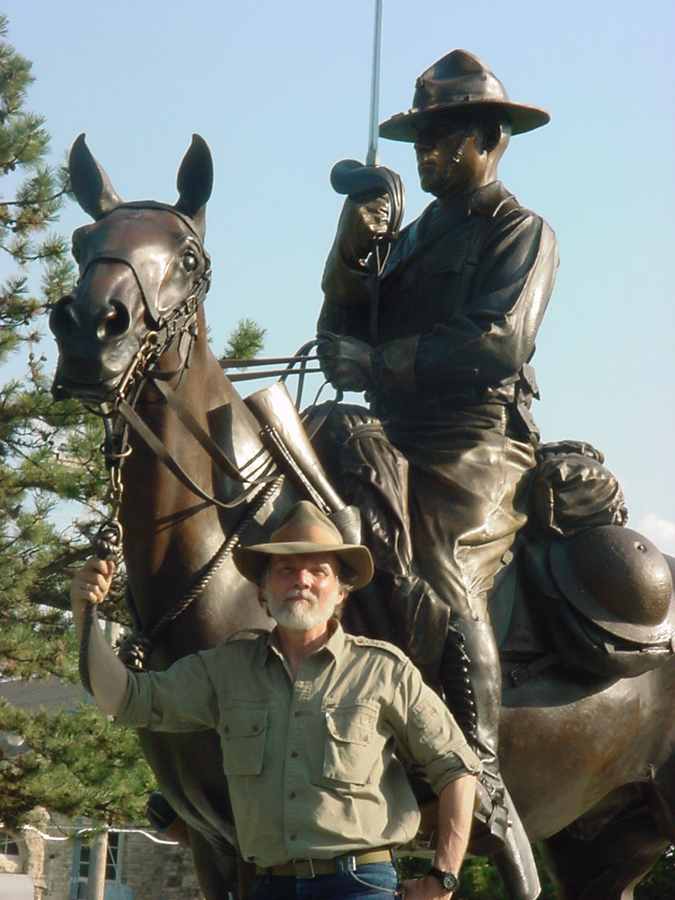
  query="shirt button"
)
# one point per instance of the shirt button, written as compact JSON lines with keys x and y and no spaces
{"x":292,"y":795}
{"x":294,"y":754}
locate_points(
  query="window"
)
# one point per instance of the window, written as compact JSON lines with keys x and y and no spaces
{"x":112,"y":861}
{"x":8,"y":845}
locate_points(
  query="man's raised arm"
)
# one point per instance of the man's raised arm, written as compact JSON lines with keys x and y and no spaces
{"x":107,"y":674}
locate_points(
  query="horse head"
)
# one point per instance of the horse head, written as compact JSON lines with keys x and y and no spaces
{"x":143,"y":272}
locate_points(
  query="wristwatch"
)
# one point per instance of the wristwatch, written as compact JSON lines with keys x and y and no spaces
{"x":449,"y":882}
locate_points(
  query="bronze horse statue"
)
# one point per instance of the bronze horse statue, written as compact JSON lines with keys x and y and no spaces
{"x":590,"y":762}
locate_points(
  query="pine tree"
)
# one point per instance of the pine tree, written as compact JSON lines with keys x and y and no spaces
{"x":245,"y":341}
{"x":50,"y":471}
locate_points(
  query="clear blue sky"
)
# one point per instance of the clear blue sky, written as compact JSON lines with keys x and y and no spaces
{"x":280,"y":92}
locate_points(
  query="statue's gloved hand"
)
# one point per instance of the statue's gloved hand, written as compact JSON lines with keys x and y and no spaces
{"x":361,"y":223}
{"x":346,"y":361}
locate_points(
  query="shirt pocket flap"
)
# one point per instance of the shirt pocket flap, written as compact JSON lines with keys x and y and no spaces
{"x":351,"y":724}
{"x":243,"y":735}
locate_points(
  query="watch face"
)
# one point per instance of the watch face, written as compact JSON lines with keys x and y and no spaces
{"x":448,"y":881}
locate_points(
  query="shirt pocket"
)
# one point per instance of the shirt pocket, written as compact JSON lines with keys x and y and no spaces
{"x":243,"y":735}
{"x":352,"y":743}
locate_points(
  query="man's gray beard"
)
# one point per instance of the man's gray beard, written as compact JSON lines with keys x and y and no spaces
{"x":300,"y":616}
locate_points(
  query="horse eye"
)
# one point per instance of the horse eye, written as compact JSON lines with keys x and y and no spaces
{"x":190,"y":261}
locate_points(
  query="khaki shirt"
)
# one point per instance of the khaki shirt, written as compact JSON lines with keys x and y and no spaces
{"x":312,"y":763}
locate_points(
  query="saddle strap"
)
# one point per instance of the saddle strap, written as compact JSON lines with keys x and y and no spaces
{"x":146,"y":434}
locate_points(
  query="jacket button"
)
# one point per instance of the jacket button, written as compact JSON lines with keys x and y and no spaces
{"x":292,"y":795}
{"x":294,"y":754}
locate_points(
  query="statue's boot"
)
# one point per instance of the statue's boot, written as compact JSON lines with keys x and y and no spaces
{"x":471,"y":679}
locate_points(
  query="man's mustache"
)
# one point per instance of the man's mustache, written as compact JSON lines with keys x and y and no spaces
{"x":299,"y":594}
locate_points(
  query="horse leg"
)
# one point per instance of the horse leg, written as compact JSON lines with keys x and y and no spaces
{"x":216,"y":867}
{"x":609,"y":866}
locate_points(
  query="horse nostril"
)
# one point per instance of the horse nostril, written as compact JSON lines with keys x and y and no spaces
{"x":114,"y":322}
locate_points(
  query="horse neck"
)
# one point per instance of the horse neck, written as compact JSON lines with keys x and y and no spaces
{"x":170,"y":534}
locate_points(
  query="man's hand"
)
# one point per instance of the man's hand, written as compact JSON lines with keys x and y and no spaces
{"x":427,"y":888}
{"x":360,"y":224}
{"x":346,"y":362}
{"x":91,"y":583}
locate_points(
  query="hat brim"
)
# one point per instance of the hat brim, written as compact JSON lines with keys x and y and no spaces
{"x":251,"y":561}
{"x":406,"y":126}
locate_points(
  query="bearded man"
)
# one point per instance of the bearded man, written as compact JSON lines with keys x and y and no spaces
{"x":314,"y":725}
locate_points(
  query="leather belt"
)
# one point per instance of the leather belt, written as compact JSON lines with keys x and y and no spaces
{"x":309,"y":868}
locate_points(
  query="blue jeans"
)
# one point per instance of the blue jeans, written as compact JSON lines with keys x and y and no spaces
{"x":377,"y":881}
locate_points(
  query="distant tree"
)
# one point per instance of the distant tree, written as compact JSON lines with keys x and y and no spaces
{"x":246,"y":340}
{"x":77,"y":763}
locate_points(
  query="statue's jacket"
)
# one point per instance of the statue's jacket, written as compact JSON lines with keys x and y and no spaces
{"x":461,"y":299}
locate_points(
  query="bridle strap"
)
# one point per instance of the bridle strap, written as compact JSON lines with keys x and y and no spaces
{"x":132,"y":418}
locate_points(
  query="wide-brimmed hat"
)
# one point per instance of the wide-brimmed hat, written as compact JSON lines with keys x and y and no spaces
{"x":306,"y":530}
{"x":459,"y":82}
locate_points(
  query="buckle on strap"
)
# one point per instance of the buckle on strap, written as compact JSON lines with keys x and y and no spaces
{"x":345,"y":863}
{"x":304,"y":868}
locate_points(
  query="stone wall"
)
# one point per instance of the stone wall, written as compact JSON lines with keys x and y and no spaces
{"x":152,"y":871}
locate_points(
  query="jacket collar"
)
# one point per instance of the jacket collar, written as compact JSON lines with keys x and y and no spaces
{"x":436,"y":220}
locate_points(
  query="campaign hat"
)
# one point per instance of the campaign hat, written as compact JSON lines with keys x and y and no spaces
{"x":459,"y":83}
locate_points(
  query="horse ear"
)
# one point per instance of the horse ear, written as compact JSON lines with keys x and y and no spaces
{"x":195,"y":182}
{"x":89,"y":182}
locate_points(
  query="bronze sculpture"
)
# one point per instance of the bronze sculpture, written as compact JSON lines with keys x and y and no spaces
{"x":588,"y":756}
{"x":445,"y":360}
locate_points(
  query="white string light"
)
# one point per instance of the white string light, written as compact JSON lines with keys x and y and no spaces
{"x":79,"y":831}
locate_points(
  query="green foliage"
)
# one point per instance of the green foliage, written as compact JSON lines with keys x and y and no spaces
{"x":78,"y":763}
{"x":50,"y":471}
{"x":246,"y":341}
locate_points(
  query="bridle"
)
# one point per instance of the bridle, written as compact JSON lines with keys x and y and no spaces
{"x":119,"y":414}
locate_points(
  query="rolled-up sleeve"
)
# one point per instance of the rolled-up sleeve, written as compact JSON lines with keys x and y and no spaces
{"x":182,"y":698}
{"x":427,"y":733}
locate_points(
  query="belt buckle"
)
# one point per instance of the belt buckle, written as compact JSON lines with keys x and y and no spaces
{"x":345,"y":863}
{"x":304,"y":868}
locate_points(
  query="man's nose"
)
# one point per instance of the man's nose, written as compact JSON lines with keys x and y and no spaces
{"x":303,"y":578}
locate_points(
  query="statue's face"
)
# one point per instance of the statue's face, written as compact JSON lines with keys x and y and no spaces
{"x":449,"y":160}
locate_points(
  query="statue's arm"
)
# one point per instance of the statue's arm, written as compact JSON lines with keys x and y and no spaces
{"x":345,"y":281}
{"x":494,"y":336}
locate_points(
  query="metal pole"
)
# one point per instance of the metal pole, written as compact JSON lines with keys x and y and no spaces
{"x":373,"y":130}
